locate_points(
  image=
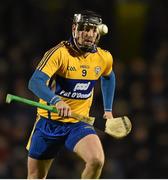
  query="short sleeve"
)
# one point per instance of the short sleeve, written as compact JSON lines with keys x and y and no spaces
{"x":108,"y":64}
{"x":50,"y":62}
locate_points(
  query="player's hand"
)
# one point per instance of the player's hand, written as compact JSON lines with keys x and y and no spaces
{"x":63,"y":109}
{"x":107,"y":115}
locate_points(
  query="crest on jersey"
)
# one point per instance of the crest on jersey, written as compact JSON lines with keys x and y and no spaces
{"x":97,"y":70}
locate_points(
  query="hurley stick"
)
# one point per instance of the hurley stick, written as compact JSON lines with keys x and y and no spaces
{"x":10,"y":98}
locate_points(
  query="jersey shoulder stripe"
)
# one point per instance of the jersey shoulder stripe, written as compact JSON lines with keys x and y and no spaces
{"x":47,"y":56}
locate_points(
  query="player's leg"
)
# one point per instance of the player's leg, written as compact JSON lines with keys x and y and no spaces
{"x":38,"y":169}
{"x":85,"y":143}
{"x":90,"y":150}
{"x":42,"y":147}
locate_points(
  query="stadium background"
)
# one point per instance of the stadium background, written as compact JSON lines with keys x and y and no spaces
{"x":138,"y":40}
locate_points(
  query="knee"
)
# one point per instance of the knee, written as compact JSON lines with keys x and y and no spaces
{"x":96,"y":162}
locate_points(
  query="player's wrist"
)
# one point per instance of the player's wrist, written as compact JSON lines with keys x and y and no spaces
{"x":108,"y":115}
{"x":55,"y":99}
{"x":107,"y":110}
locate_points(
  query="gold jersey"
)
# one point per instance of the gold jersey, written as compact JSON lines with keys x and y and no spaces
{"x":73,"y":76}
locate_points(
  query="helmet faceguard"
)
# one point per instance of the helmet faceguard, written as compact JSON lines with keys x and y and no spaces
{"x":83,"y":22}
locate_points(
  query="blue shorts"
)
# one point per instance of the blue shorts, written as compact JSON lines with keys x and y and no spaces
{"x":49,"y":136}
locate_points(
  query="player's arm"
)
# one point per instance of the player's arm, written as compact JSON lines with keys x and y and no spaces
{"x":108,"y":89}
{"x":108,"y":85}
{"x":116,"y":127}
{"x":38,"y":82}
{"x":38,"y":85}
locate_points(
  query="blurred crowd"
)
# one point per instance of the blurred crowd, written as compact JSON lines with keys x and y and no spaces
{"x":30,"y":28}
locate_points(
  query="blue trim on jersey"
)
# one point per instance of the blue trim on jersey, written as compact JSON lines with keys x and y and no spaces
{"x":37,"y":84}
{"x":49,"y":136}
{"x":108,"y":84}
{"x":74,"y":88}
